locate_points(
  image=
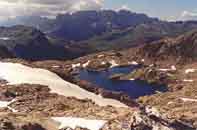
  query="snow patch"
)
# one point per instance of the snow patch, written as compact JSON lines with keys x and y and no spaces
{"x":16,"y":73}
{"x":86,"y":64}
{"x":103,"y":63}
{"x":187,"y":71}
{"x":173,"y":68}
{"x":188,"y":80}
{"x":13,"y":110}
{"x":99,"y":56}
{"x":133,"y":63}
{"x":76,"y":65}
{"x":188,"y":100}
{"x":164,"y":70}
{"x":72,"y":122}
{"x":113,"y":63}
{"x":4,"y":38}
{"x":5,"y":104}
{"x":169,"y":103}
{"x":55,"y":66}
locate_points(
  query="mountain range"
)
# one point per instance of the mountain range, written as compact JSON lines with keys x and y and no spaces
{"x":84,"y":32}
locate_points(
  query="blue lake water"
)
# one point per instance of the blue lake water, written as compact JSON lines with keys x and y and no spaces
{"x":134,"y":89}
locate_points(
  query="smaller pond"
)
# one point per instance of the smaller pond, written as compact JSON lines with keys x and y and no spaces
{"x":134,"y":88}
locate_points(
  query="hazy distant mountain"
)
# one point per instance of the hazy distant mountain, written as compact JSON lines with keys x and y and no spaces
{"x":83,"y":25}
{"x":86,"y":24}
{"x":38,"y":22}
{"x":29,"y":43}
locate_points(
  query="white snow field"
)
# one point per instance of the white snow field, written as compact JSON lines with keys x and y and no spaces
{"x":16,"y":73}
{"x":113,"y":63}
{"x":4,"y":38}
{"x":188,"y":80}
{"x":86,"y":64}
{"x":133,"y":63}
{"x":4,"y":104}
{"x":173,"y":68}
{"x":187,"y":71}
{"x":72,"y":122}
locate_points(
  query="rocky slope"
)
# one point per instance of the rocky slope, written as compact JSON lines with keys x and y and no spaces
{"x":183,"y":47}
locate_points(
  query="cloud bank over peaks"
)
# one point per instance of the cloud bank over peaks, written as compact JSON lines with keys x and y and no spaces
{"x":187,"y":15}
{"x":49,"y":8}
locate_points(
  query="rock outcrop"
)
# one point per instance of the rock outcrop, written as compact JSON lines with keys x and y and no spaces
{"x":182,"y":48}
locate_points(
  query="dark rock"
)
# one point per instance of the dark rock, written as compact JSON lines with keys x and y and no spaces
{"x":6,"y":125}
{"x":32,"y":127}
{"x":116,"y":76}
{"x":5,"y":53}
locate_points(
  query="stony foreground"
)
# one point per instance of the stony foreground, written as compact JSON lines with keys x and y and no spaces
{"x":35,"y":104}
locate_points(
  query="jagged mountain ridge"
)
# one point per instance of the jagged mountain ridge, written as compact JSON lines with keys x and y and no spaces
{"x":72,"y":26}
{"x":97,"y":23}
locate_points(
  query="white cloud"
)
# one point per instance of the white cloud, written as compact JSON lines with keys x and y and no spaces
{"x":187,"y":15}
{"x":123,"y":7}
{"x":13,"y":8}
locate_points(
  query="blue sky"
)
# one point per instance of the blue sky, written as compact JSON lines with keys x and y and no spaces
{"x":165,"y":9}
